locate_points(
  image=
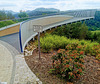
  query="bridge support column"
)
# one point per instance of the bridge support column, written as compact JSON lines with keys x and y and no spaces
{"x":45,"y":31}
{"x":27,"y":44}
{"x":56,"y":27}
{"x":33,"y":39}
{"x":84,"y":20}
{"x":79,"y":21}
{"x":75,"y":22}
{"x":64,"y":24}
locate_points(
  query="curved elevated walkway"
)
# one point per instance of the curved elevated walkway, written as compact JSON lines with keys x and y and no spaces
{"x":26,"y":32}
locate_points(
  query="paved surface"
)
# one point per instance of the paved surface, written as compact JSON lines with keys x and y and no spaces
{"x":6,"y":64}
{"x":13,"y":68}
{"x":12,"y":39}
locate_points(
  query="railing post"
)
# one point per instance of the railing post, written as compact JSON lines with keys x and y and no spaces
{"x":38,"y":29}
{"x":39,"y":45}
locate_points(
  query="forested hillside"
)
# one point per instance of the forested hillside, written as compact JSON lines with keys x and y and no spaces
{"x":95,"y":23}
{"x":77,"y":30}
{"x":6,"y":15}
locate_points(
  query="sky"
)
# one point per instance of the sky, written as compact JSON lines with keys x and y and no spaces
{"x":17,"y":5}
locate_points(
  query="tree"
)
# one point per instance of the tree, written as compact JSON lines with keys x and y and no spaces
{"x":95,"y":23}
{"x":60,"y":31}
{"x":83,"y":31}
{"x":22,"y":14}
{"x":89,"y":36}
{"x":67,"y":31}
{"x":76,"y":29}
{"x":95,"y":36}
{"x":98,"y":37}
{"x":10,"y":15}
{"x":97,"y":15}
{"x":3,"y":15}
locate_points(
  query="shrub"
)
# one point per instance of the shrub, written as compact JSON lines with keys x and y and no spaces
{"x":50,"y":42}
{"x":98,"y":56}
{"x":68,"y":64}
{"x":6,"y":23}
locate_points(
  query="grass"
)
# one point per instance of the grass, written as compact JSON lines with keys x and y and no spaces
{"x":6,"y":23}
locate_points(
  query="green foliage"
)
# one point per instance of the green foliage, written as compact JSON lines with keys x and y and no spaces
{"x":97,"y":31}
{"x":4,"y":15}
{"x":68,"y":63}
{"x":89,"y":36}
{"x":50,"y":42}
{"x":95,"y":23}
{"x":74,"y":30}
{"x":6,"y":23}
{"x":98,"y":56}
{"x":60,"y":31}
{"x":97,"y":15}
{"x":83,"y":31}
{"x":78,"y":31}
{"x":95,"y":36}
{"x":22,"y":14}
{"x":44,"y":14}
{"x":10,"y":16}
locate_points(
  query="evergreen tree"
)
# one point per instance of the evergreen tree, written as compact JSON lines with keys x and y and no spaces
{"x":83,"y":31}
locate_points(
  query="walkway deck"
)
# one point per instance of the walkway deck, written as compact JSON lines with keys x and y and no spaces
{"x":12,"y":39}
{"x":6,"y":64}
